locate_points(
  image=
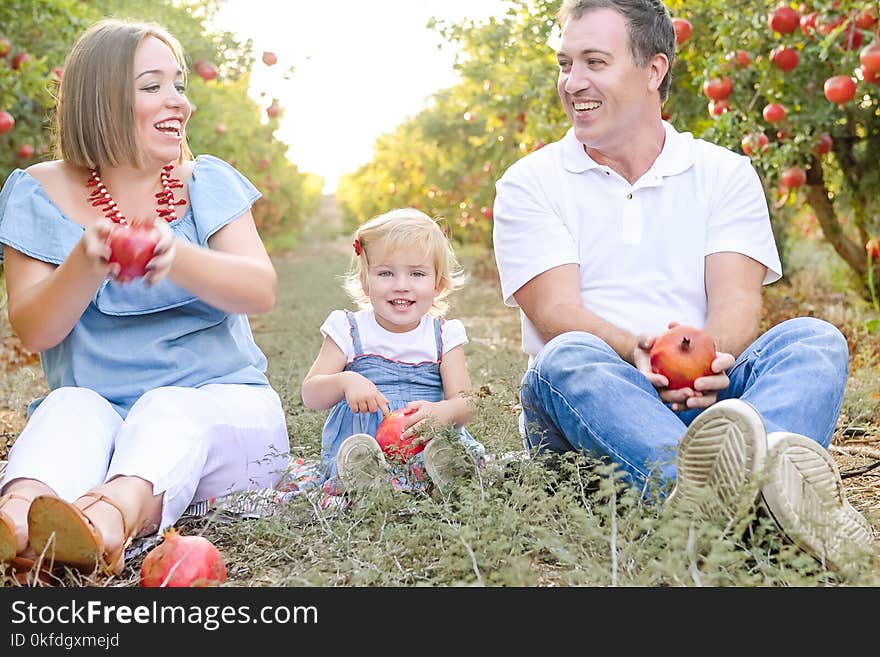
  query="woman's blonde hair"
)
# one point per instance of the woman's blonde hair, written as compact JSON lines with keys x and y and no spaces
{"x":94,"y":116}
{"x":409,"y":229}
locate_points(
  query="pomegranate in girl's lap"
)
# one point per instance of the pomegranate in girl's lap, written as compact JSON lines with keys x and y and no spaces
{"x":683,"y":354}
{"x":132,"y":247}
{"x":389,"y":432}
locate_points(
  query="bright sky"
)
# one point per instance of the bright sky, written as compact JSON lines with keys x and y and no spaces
{"x":361,"y":69}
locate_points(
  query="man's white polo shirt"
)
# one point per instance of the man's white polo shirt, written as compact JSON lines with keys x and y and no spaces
{"x":641,"y":248}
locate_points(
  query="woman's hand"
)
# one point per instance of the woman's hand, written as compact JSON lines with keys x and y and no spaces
{"x":163,"y":255}
{"x":362,"y":395}
{"x":95,"y":244}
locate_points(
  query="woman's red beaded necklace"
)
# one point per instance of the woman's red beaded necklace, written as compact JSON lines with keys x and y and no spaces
{"x":164,"y":200}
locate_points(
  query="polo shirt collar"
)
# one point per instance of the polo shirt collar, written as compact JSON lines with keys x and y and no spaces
{"x":676,"y":157}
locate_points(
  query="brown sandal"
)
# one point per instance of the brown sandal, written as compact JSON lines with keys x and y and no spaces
{"x":62,"y":532}
{"x":8,"y":544}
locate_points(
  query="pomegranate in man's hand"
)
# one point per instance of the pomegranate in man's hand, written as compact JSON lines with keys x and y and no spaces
{"x":389,"y":432}
{"x":683,"y":354}
{"x":132,"y":247}
{"x":181,"y":561}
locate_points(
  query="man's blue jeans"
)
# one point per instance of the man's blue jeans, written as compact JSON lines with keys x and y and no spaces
{"x":580,"y":395}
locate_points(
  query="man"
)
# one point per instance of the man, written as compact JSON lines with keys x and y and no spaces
{"x":626,"y":226}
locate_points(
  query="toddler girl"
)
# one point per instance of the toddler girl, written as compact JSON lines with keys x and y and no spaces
{"x":396,"y":352}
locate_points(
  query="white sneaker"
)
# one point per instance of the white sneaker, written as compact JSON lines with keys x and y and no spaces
{"x":360,"y":462}
{"x":804,"y":494}
{"x":720,"y":460}
{"x":445,"y":462}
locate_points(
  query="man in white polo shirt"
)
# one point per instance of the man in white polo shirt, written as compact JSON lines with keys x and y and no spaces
{"x":624,"y":226}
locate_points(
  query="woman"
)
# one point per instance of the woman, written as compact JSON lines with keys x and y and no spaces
{"x":158,"y":394}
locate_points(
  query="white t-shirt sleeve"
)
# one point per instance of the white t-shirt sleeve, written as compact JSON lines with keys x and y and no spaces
{"x":453,"y":334}
{"x":337,"y":328}
{"x":529,"y":235}
{"x":739,"y":220}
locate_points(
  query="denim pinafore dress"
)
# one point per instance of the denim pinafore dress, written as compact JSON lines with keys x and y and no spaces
{"x":401,"y":383}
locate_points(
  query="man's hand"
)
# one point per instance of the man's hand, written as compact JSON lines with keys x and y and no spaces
{"x":705,"y":390}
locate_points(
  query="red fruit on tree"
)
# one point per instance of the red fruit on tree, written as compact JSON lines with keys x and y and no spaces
{"x":866,"y":18}
{"x":774,"y":112}
{"x":751,"y":143}
{"x":785,"y":58}
{"x":19,"y":59}
{"x":6,"y":122}
{"x":823,"y":144}
{"x":220,"y":129}
{"x":871,"y":77}
{"x":840,"y":89}
{"x":269,"y":58}
{"x":683,"y":354}
{"x":808,"y":22}
{"x":869,"y":58}
{"x":183,"y":561}
{"x":872,"y":248}
{"x":739,"y":58}
{"x":718,"y":88}
{"x":5,"y":46}
{"x":389,"y":433}
{"x":784,"y":20}
{"x":25,"y":151}
{"x":718,"y":107}
{"x":273,"y":110}
{"x":132,"y":247}
{"x":683,"y":30}
{"x":852,"y":39}
{"x":486,"y":212}
{"x":793,"y":177}
{"x":205,"y":70}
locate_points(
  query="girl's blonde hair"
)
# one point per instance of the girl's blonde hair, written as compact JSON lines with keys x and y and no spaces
{"x":94,"y":116}
{"x":409,"y":229}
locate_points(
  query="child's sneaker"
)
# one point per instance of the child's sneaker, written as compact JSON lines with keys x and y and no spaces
{"x":804,"y":494}
{"x":360,"y":463}
{"x":445,"y":462}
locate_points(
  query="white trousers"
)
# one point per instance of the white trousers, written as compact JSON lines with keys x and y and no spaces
{"x":192,"y":444}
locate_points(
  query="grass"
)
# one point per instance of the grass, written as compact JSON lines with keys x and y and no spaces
{"x":531,"y":523}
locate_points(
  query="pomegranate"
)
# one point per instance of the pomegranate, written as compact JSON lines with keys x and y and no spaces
{"x":683,"y":354}
{"x":132,"y":247}
{"x":180,"y":561}
{"x":388,"y":435}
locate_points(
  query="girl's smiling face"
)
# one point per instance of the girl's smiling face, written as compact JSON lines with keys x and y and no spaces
{"x":401,"y":286}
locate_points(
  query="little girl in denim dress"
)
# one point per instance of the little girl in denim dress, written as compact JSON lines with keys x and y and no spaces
{"x":396,"y":352}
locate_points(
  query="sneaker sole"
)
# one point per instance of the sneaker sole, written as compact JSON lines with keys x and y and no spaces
{"x":719,"y":457}
{"x":804,"y":495}
{"x":360,"y":463}
{"x":444,"y":463}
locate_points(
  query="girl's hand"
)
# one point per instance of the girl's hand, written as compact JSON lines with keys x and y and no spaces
{"x":95,"y":244}
{"x":163,"y":254}
{"x":424,"y":411}
{"x":363,"y":396}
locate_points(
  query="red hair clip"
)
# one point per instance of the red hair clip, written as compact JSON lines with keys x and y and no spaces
{"x":357,"y":247}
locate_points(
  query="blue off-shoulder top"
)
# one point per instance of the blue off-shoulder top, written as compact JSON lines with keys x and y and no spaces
{"x":132,"y":337}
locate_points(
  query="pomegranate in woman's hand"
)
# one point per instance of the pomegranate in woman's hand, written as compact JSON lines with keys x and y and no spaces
{"x":683,"y":354}
{"x":132,"y":247}
{"x":388,"y":435}
{"x":183,"y":561}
